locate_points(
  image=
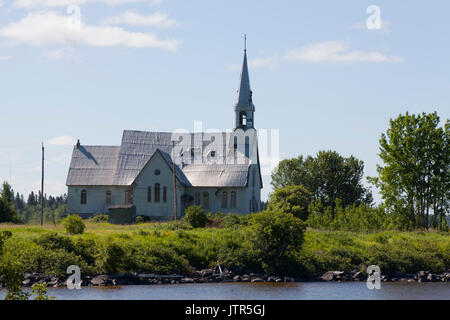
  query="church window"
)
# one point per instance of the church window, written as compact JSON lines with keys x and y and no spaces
{"x":197,"y":198}
{"x":108,"y":197}
{"x":165,"y":194}
{"x":205,"y":200}
{"x":157,"y":192}
{"x":83,"y":197}
{"x":243,"y":119}
{"x":157,"y":172}
{"x":128,"y":199}
{"x":224,"y":200}
{"x":233,"y":199}
{"x":247,"y":147}
{"x":149,"y":194}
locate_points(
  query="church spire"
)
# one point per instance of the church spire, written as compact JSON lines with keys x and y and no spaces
{"x":245,"y":93}
{"x":244,"y":107}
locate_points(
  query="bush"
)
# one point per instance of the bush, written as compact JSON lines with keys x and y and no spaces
{"x":74,"y":224}
{"x":100,"y":218}
{"x":291,"y":199}
{"x":196,"y":217}
{"x":277,"y":238}
{"x":142,"y":219}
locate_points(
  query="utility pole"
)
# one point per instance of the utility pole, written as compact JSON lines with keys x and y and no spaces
{"x":42,"y":188}
{"x":175,"y":202}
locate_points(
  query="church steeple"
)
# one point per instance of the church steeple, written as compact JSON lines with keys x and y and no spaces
{"x":244,"y":108}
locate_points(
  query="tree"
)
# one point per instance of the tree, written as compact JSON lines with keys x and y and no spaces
{"x":328,"y":176}
{"x":291,"y":199}
{"x":277,"y":238}
{"x":415,"y":178}
{"x":7,"y":209}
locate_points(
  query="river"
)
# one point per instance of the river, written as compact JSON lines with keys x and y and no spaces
{"x":260,"y":291}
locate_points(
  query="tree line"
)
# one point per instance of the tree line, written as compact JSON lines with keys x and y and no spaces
{"x":14,"y":208}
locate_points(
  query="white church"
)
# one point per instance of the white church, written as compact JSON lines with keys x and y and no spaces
{"x":160,"y":174}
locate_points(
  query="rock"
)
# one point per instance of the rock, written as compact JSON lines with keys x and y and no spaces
{"x":187,"y":280}
{"x":245,"y":279}
{"x":359,"y":276}
{"x":237,"y":278}
{"x":257,"y":279}
{"x":206,"y":272}
{"x":328,"y":276}
{"x":277,"y":279}
{"x":101,"y":280}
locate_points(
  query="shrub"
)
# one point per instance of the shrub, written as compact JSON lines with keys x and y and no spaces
{"x":277,"y":238}
{"x":74,"y":224}
{"x":142,"y":219}
{"x":196,"y":217}
{"x":291,"y":199}
{"x":100,"y":218}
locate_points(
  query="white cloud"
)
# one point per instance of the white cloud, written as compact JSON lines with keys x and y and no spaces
{"x":157,"y":19}
{"x":5,"y":58}
{"x":335,"y":51}
{"x":268,"y":62}
{"x":51,"y":28}
{"x":61,"y":141}
{"x":31,"y":4}
{"x":2,"y":3}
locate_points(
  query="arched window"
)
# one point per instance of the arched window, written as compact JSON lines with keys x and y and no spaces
{"x":128,"y":196}
{"x":233,"y":199}
{"x":243,"y":119}
{"x":247,"y":146}
{"x":224,"y":200}
{"x":157,"y":192}
{"x":165,"y":194}
{"x":149,"y":194}
{"x":108,"y":197}
{"x":83,"y":196}
{"x":205,"y":200}
{"x":197,"y":198}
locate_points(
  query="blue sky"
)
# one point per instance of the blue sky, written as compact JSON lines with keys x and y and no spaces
{"x":318,"y":74}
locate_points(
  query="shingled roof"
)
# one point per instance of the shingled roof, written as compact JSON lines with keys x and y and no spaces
{"x":119,"y":166}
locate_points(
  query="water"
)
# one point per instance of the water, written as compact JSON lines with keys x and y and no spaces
{"x":259,"y":291}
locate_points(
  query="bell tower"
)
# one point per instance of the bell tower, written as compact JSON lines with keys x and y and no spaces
{"x":244,"y":109}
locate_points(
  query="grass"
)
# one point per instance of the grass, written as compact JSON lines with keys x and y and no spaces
{"x":177,"y":247}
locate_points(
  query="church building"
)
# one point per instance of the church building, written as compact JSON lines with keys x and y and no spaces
{"x":160,"y":174}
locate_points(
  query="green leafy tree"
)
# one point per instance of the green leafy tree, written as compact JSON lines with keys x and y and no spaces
{"x":328,"y":176}
{"x":277,"y":238}
{"x":292,"y":199}
{"x":415,"y":177}
{"x":74,"y":224}
{"x":40,"y":292}
{"x":196,"y":217}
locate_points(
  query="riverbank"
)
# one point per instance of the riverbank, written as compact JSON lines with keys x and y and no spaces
{"x":211,"y":276}
{"x":147,"y":253}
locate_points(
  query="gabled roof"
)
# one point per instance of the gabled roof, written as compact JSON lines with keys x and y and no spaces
{"x":93,"y":165}
{"x":217,"y":175}
{"x":120,"y":166}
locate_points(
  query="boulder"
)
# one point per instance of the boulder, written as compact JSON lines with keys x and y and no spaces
{"x":187,"y":280}
{"x":101,"y":280}
{"x":257,"y":279}
{"x":237,"y":278}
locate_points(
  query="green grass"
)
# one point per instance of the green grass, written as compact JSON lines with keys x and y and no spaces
{"x":177,"y":247}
